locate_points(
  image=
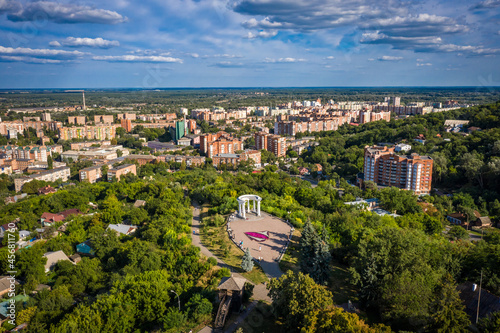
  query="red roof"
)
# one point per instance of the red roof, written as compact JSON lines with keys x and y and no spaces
{"x":50,"y":217}
{"x":69,"y":212}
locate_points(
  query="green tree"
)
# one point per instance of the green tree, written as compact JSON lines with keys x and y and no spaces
{"x":50,"y":163}
{"x":490,"y":324}
{"x":458,"y":232}
{"x":247,"y":261}
{"x":447,"y":310}
{"x":315,"y":254}
{"x":296,"y":296}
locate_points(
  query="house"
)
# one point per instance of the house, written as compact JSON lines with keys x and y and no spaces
{"x":319,"y":168}
{"x":85,"y":248}
{"x":68,"y":212}
{"x":49,"y":219}
{"x":461,"y":219}
{"x":303,"y":171}
{"x":139,"y":203}
{"x":402,"y":147}
{"x":6,"y":284}
{"x":369,"y":204}
{"x":46,"y":190}
{"x":5,"y":227}
{"x":482,"y":222}
{"x":123,"y":229}
{"x":76,"y":258}
{"x":420,"y":138}
{"x":469,"y":294}
{"x":53,"y":258}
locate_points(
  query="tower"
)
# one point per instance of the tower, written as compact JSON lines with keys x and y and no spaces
{"x":84,"y":106}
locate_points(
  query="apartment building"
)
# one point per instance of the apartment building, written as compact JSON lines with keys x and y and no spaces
{"x":235,"y":159}
{"x":91,"y":174}
{"x":191,"y":161}
{"x":35,"y":152}
{"x":121,"y":170}
{"x":369,"y":116}
{"x":219,"y":143}
{"x":409,"y":172}
{"x":273,"y":143}
{"x":292,"y":127}
{"x":129,"y":116}
{"x":77,"y":120}
{"x":62,"y":173}
{"x":404,"y":110}
{"x":19,"y":127}
{"x":87,"y":144}
{"x":104,"y":119}
{"x":141,"y":159}
{"x":126,"y":124}
{"x":98,"y":132}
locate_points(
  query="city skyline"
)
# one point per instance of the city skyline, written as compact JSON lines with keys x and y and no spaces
{"x":248,"y":43}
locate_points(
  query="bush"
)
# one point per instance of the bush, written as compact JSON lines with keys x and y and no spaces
{"x":173,"y":319}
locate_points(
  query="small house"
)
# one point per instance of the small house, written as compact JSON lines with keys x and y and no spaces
{"x":123,"y":229}
{"x":53,"y":258}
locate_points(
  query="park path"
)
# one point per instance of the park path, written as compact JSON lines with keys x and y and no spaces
{"x":260,"y":290}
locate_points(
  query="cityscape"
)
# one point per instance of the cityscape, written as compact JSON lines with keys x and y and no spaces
{"x":249,"y":166}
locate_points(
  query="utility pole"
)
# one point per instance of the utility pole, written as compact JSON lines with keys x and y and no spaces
{"x":479,"y":296}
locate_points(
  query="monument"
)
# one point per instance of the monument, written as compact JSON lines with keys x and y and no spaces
{"x":244,"y":205}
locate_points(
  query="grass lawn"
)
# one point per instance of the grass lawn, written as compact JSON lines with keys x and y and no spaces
{"x":290,"y":260}
{"x":217,"y":241}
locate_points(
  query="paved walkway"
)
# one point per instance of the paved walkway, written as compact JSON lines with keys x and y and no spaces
{"x":260,"y":291}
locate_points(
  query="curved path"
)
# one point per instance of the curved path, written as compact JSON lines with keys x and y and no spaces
{"x":260,"y":290}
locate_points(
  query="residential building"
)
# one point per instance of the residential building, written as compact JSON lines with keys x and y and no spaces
{"x":142,"y":159}
{"x":62,"y":173}
{"x":123,"y":229}
{"x":53,"y":258}
{"x":127,"y":116}
{"x":87,"y":144}
{"x":98,"y":132}
{"x":235,"y":159}
{"x":77,"y":120}
{"x":219,"y":143}
{"x":402,"y":147}
{"x":126,"y":124}
{"x":385,"y":168}
{"x":191,"y":161}
{"x":121,"y":170}
{"x":369,"y":116}
{"x":91,"y":174}
{"x":273,"y":143}
{"x":104,"y":119}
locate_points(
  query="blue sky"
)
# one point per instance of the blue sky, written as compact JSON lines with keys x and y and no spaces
{"x":248,"y":43}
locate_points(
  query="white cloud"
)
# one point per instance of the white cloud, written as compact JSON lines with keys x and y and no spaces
{"x":88,"y":42}
{"x":64,"y":13}
{"x":390,"y":58}
{"x":9,"y":6}
{"x":133,"y":58}
{"x":228,"y":64}
{"x":487,"y":4}
{"x":283,"y":60}
{"x":424,"y":64}
{"x":40,"y":53}
{"x":261,"y":34}
{"x":330,"y":57}
{"x":29,"y":60}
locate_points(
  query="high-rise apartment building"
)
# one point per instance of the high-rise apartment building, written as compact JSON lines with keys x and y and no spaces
{"x":78,"y":120}
{"x":409,"y":172}
{"x":219,"y":143}
{"x":126,"y":124}
{"x":273,"y":143}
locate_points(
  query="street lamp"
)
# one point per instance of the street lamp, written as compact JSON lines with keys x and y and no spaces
{"x":178,"y":299}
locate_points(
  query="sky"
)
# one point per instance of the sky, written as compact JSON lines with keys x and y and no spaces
{"x":153,"y":44}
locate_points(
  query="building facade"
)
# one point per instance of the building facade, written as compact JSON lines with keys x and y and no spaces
{"x":219,"y":143}
{"x":98,"y":132}
{"x":409,"y":172}
{"x":273,"y":143}
{"x":235,"y":159}
{"x":62,"y":173}
{"x":121,"y":170}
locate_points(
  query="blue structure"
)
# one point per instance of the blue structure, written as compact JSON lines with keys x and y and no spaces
{"x":85,"y":248}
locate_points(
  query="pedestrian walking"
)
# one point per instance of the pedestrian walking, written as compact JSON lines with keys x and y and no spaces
{"x":260,"y":248}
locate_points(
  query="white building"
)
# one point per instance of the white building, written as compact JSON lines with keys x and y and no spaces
{"x":403,"y":147}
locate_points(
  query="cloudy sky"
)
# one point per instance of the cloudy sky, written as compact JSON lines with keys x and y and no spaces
{"x":248,"y":43}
